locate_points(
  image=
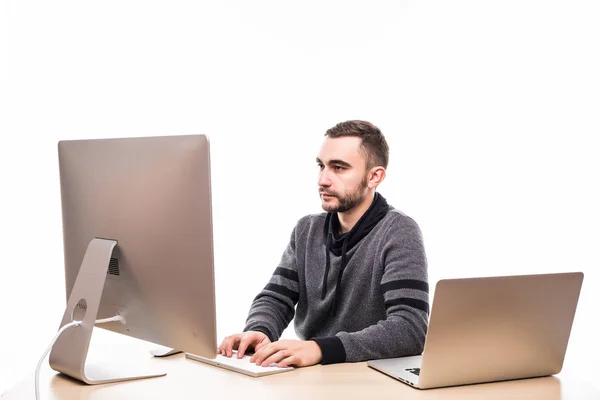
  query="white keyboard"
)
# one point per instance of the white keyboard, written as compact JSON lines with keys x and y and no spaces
{"x":241,"y":365}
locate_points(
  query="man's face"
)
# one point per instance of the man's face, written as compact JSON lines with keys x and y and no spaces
{"x":342,"y":174}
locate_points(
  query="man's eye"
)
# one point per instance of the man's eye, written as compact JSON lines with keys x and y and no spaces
{"x":338,"y":168}
{"x":320,"y":166}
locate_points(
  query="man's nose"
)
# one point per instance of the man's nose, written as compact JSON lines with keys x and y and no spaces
{"x":324,"y":180}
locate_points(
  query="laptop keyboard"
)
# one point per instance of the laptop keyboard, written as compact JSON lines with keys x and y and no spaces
{"x":415,"y":371}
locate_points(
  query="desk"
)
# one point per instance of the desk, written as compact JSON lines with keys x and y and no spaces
{"x":187,"y":379}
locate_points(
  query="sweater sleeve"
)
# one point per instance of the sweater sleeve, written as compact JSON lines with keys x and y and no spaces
{"x":405,"y":291}
{"x":274,"y":307}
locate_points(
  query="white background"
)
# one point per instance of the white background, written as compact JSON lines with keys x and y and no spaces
{"x":491,"y":110}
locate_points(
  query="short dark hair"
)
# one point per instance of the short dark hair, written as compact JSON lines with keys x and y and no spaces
{"x":373,"y":141}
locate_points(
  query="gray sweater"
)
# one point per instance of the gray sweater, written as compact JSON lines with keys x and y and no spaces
{"x":383,"y":302}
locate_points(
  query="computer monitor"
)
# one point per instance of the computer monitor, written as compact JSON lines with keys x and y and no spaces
{"x":137,"y":233}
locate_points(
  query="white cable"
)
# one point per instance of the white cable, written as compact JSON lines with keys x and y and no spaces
{"x":111,"y":319}
{"x":60,"y":331}
{"x":39,"y":365}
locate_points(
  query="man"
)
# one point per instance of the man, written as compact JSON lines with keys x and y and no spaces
{"x":355,"y":277}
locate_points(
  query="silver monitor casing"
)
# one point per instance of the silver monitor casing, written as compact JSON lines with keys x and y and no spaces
{"x":137,"y":231}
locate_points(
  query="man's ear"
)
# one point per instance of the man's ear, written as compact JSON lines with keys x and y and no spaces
{"x":375,"y":177}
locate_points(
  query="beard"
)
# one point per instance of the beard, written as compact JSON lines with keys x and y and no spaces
{"x":346,"y":201}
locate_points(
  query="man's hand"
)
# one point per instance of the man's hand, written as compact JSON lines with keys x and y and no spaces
{"x":241,"y":342}
{"x":299,"y":353}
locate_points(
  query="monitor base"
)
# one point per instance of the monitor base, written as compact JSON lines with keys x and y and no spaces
{"x":70,"y":350}
{"x":95,"y":374}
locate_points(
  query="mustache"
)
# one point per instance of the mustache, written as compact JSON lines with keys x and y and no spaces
{"x":327,"y":192}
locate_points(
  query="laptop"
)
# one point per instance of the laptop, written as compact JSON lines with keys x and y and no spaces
{"x":492,"y":329}
{"x":241,"y":365}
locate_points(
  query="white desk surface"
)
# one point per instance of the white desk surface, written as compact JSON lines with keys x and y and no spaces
{"x":187,"y":379}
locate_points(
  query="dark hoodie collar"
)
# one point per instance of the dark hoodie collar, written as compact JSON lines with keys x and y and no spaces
{"x":340,"y":244}
{"x":375,"y":213}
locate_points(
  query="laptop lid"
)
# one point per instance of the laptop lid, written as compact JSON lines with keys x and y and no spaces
{"x":498,"y":328}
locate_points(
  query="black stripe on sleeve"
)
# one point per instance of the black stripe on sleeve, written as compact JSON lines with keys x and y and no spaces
{"x":405,"y":284}
{"x":286,"y":273}
{"x":406,"y":301}
{"x":283,"y":291}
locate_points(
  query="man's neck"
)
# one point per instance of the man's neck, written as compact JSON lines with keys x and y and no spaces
{"x":349,"y":218}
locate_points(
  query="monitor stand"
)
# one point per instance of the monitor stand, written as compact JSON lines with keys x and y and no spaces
{"x":70,"y":351}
